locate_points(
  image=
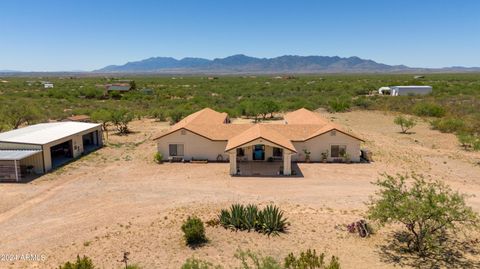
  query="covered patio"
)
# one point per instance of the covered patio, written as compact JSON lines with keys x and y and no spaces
{"x":260,"y":151}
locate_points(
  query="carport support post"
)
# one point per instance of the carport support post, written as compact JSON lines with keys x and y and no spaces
{"x":287,"y":163}
{"x":233,"y":162}
{"x":16,"y":169}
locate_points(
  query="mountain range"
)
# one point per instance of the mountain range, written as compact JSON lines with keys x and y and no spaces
{"x":240,"y":63}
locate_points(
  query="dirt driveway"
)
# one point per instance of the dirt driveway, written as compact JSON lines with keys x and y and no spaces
{"x":117,"y":199}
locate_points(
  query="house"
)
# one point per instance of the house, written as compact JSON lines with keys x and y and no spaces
{"x":118,"y":87}
{"x":39,"y":148}
{"x":47,"y":84}
{"x":78,"y":118}
{"x":405,"y":90}
{"x":302,"y":136}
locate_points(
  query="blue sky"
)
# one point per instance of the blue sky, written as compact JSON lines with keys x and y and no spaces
{"x":85,"y":35}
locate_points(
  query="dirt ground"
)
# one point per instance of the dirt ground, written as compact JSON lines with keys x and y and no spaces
{"x":117,"y":199}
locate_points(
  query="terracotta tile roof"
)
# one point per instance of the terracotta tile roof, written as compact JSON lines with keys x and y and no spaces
{"x":258,"y":131}
{"x":202,"y":122}
{"x":300,"y":125}
{"x":304,"y":116}
{"x":78,"y":118}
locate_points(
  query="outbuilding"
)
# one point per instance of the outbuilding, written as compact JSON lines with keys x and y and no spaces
{"x":405,"y":90}
{"x":39,"y":148}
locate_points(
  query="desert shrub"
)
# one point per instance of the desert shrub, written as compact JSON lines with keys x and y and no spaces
{"x":448,"y":125}
{"x":310,"y":260}
{"x":269,"y":220}
{"x":194,"y":231}
{"x":80,"y":263}
{"x":362,"y":102}
{"x":158,"y":157}
{"x":468,"y":141}
{"x":133,"y":266}
{"x":404,"y":123}
{"x":252,"y":260}
{"x":339,"y":105}
{"x":428,"y":209}
{"x":193,"y":263}
{"x":428,"y":110}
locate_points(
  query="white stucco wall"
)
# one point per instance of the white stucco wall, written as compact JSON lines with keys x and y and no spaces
{"x":194,"y":145}
{"x":323,"y":143}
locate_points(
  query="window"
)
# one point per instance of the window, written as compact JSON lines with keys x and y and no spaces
{"x":338,"y":150}
{"x":175,"y":149}
{"x":333,"y":133}
{"x":277,"y":152}
{"x":183,"y":132}
{"x":240,"y":152}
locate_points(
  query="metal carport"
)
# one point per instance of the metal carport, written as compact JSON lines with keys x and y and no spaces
{"x":10,"y":163}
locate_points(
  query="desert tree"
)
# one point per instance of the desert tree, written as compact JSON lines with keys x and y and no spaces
{"x":404,"y":123}
{"x":427,"y":209}
{"x":103,"y":117}
{"x":121,"y":118}
{"x":18,"y":113}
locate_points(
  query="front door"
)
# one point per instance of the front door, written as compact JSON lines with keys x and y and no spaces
{"x":258,"y":153}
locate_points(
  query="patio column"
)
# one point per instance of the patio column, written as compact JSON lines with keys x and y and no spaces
{"x":287,"y":163}
{"x":233,"y":162}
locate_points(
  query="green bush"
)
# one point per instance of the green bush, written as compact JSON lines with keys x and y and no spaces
{"x":80,"y":263}
{"x":363,"y":102}
{"x":193,"y":263}
{"x":448,"y":125}
{"x":428,"y":110}
{"x":269,"y":221}
{"x":133,"y":266}
{"x":310,"y":260}
{"x":194,"y":231}
{"x":468,"y":141}
{"x":427,"y":209}
{"x":405,"y":123}
{"x":339,"y":105}
{"x":252,"y":260}
{"x":158,"y":157}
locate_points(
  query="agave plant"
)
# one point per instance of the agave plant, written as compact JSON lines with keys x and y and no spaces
{"x":225,"y":218}
{"x":237,"y":212}
{"x":250,"y":220}
{"x":271,"y":220}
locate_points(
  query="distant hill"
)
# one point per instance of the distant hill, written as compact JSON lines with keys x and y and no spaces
{"x":244,"y":64}
{"x":284,"y":64}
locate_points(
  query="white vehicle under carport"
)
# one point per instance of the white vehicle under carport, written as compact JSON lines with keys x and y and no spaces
{"x":54,"y":143}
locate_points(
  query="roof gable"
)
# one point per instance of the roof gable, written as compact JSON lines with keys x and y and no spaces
{"x":258,"y":131}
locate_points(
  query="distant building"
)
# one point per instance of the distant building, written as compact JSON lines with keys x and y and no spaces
{"x":48,"y":85}
{"x":118,"y":87}
{"x":78,"y":118}
{"x":405,"y":90}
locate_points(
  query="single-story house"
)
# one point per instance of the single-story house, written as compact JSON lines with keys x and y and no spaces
{"x":303,"y":135}
{"x":39,"y":148}
{"x":78,"y":118}
{"x":118,"y":87}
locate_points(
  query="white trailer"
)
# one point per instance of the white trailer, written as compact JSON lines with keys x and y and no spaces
{"x":410,"y":90}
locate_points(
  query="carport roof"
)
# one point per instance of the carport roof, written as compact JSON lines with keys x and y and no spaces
{"x":16,"y":155}
{"x":44,"y":133}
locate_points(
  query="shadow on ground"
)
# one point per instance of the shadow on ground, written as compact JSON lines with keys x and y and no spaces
{"x":453,"y":254}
